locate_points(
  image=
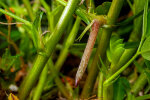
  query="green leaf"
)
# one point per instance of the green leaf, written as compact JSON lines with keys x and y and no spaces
{"x":145,"y":49}
{"x":36,"y":31}
{"x":120,"y":87}
{"x":103,"y":9}
{"x":148,"y":24}
{"x":115,"y":49}
{"x":130,"y":19}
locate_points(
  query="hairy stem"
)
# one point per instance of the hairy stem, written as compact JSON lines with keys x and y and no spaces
{"x":88,"y":50}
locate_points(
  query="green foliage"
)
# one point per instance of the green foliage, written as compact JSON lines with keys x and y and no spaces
{"x":131,"y":45}
{"x":145,"y":49}
{"x":103,"y":9}
{"x":121,"y":86}
{"x":112,"y":54}
{"x":8,"y":61}
{"x":148,"y":24}
{"x":115,"y":50}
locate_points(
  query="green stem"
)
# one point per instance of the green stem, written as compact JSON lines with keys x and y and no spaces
{"x":139,"y":84}
{"x":42,"y":80}
{"x":110,"y":79}
{"x":36,"y":5}
{"x":101,"y":50}
{"x":41,"y":60}
{"x":62,"y":2}
{"x":15,"y":17}
{"x":144,"y":97}
{"x":91,"y":6}
{"x":68,"y":43}
{"x":57,"y":80}
{"x":79,"y":11}
{"x":100,"y":86}
{"x":29,"y":9}
{"x":49,"y":15}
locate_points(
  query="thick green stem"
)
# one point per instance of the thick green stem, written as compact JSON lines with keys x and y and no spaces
{"x":29,"y":9}
{"x":101,"y":50}
{"x":40,"y":86}
{"x":139,"y":84}
{"x":41,"y":60}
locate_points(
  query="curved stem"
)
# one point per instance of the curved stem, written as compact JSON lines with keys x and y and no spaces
{"x":120,"y":70}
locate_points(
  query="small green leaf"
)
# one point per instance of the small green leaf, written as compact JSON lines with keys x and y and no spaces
{"x":145,"y":49}
{"x":103,"y":9}
{"x":115,"y":49}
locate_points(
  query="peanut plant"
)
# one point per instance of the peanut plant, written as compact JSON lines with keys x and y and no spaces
{"x":75,"y":49}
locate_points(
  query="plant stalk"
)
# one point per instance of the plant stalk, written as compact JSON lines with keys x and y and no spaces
{"x":40,"y":86}
{"x":68,"y":43}
{"x":101,"y":50}
{"x":139,"y":83}
{"x":41,"y":60}
{"x":29,"y":9}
